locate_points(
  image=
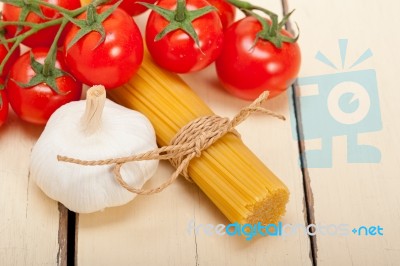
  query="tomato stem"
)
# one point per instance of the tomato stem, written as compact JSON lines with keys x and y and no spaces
{"x":93,"y":22}
{"x":35,"y":28}
{"x":49,"y":62}
{"x":270,"y":31}
{"x":8,"y":55}
{"x":91,"y":15}
{"x":18,"y":23}
{"x":242,"y":5}
{"x":55,"y":7}
{"x":99,"y":2}
{"x":180,"y":10}
{"x":47,"y":72}
{"x":180,"y":18}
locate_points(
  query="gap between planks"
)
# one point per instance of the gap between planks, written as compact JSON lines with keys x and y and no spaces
{"x":67,"y":237}
{"x":62,"y":236}
{"x":308,"y":194}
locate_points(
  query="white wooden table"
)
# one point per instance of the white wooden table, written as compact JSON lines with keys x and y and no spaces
{"x":340,"y":183}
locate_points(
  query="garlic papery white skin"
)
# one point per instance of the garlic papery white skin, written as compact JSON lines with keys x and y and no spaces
{"x":94,"y":129}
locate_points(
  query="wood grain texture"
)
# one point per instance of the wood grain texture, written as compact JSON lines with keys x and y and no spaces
{"x":29,"y":221}
{"x":362,"y":193}
{"x":157,"y":230}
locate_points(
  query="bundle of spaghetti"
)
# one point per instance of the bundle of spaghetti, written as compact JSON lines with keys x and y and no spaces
{"x":235,"y":180}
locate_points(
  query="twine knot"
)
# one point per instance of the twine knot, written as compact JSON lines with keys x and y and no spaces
{"x":189,"y":142}
{"x":199,"y":134}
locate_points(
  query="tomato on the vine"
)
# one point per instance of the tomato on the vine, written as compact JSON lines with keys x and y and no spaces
{"x":226,"y":11}
{"x":111,"y":62}
{"x":44,"y":37}
{"x":131,"y":7}
{"x":3,"y":104}
{"x":37,"y":103}
{"x":246,"y":68}
{"x":10,"y":61}
{"x":177,"y":51}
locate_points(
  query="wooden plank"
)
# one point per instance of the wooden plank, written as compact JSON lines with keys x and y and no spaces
{"x":156,"y":230}
{"x":29,"y":221}
{"x":351,"y":184}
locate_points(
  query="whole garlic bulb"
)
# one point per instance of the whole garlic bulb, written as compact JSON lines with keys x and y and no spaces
{"x":94,"y":129}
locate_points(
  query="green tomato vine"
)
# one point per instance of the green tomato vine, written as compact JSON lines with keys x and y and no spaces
{"x":48,"y":72}
{"x":180,"y":18}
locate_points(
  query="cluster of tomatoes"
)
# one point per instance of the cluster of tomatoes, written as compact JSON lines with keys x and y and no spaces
{"x":103,"y":45}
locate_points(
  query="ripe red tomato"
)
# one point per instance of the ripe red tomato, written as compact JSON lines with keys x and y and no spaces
{"x":3,"y":105}
{"x":177,"y":51}
{"x":226,"y":12}
{"x":36,"y":104}
{"x":247,"y":71}
{"x":11,"y":60}
{"x":131,"y":7}
{"x":44,"y":37}
{"x":113,"y":62}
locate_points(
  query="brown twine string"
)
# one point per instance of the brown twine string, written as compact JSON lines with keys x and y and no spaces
{"x":187,"y":144}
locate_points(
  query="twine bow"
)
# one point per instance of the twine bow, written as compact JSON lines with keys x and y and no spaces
{"x":188,"y":143}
